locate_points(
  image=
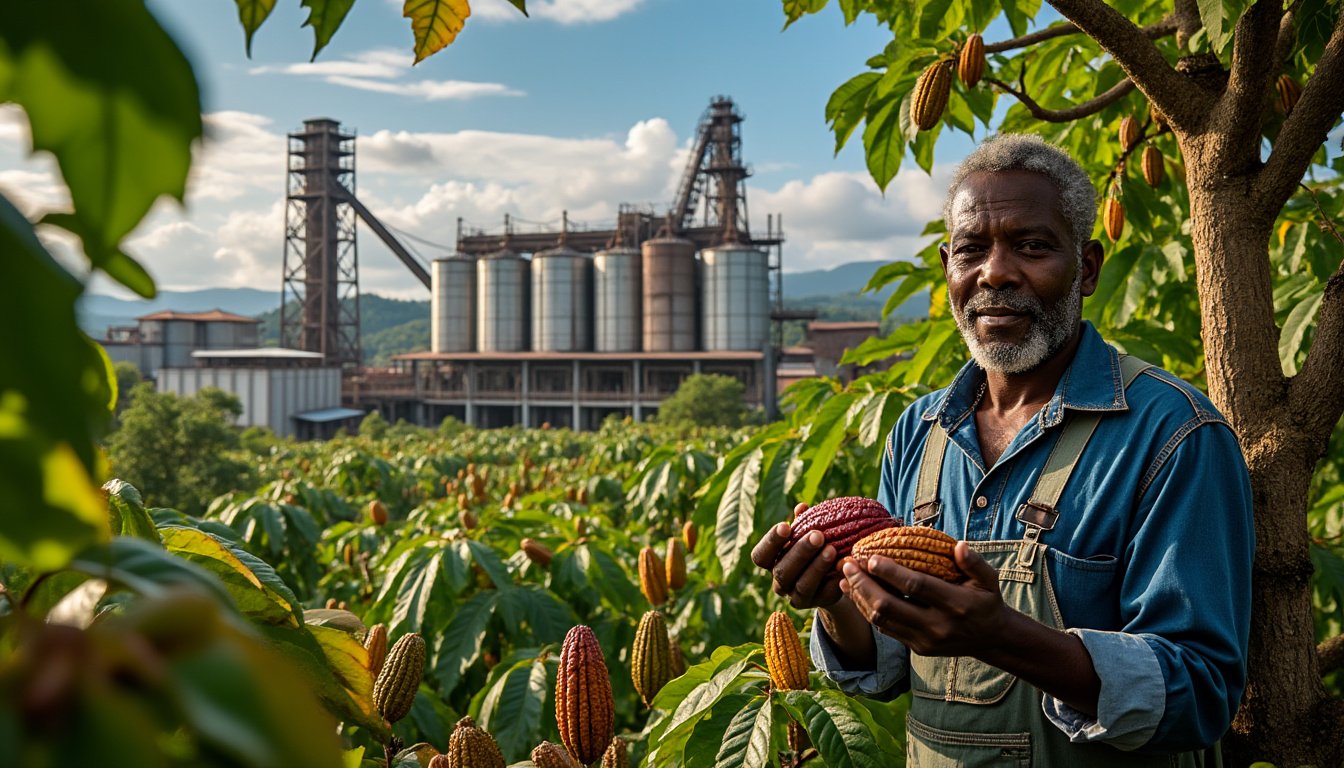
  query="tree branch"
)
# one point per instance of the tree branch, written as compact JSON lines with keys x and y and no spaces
{"x":1307,"y":125}
{"x":1160,"y":29}
{"x":1236,"y":118}
{"x":1330,"y":655}
{"x":1184,"y":104}
{"x":1316,"y":393}
{"x":1089,"y":107}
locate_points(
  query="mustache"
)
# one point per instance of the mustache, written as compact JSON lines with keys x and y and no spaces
{"x":1012,"y":299}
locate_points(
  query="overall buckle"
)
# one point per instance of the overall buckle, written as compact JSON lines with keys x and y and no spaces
{"x":1037,"y":517}
{"x":925,"y":513}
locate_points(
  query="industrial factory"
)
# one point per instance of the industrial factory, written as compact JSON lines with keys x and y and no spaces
{"x":539,"y":328}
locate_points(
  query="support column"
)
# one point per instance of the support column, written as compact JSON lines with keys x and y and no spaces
{"x":525,"y":407}
{"x":469,"y":385}
{"x":636,"y":408}
{"x":575,"y":383}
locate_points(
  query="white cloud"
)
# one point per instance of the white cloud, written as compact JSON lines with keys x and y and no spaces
{"x":559,"y":11}
{"x":380,"y":70}
{"x":35,"y":191}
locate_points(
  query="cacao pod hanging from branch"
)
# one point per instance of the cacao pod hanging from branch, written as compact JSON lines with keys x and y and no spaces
{"x":929,"y":98}
{"x":971,"y":61}
{"x":784,"y":655}
{"x":399,"y":679}
{"x":584,"y":708}
{"x":651,"y":657}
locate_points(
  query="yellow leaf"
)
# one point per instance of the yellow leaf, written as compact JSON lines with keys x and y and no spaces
{"x":435,"y":24}
{"x":1283,"y":232}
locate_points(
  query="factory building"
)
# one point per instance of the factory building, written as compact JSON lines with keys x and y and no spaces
{"x":169,"y":338}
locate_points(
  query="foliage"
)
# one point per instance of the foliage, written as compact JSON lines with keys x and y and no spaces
{"x":177,"y":447}
{"x":373,"y":425}
{"x":126,"y":375}
{"x":705,"y":400}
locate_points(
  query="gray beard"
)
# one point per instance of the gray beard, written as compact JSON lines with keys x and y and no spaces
{"x":1050,"y":328}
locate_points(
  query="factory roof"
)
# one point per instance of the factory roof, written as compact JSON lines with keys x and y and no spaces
{"x":213,"y":316}
{"x":851,"y":325}
{"x":329,"y":414}
{"x":270,"y":353}
{"x":589,"y":356}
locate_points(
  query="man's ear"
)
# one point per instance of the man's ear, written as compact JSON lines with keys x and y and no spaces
{"x":1090,"y":264}
{"x":942,"y":252}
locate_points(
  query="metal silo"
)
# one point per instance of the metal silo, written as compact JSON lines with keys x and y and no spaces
{"x":616,"y":292}
{"x":453,"y":304}
{"x":501,"y":296}
{"x":669,"y":295}
{"x":561,"y":307}
{"x":735,"y":297}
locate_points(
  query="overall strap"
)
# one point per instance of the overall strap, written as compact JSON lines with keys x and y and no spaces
{"x":1039,"y":514}
{"x":927,"y":505}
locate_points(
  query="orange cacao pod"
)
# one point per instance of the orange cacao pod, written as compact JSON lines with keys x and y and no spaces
{"x":467,"y":519}
{"x":616,"y":756}
{"x":584,"y":709}
{"x":537,"y":552}
{"x":689,"y":534}
{"x":784,"y":654}
{"x":650,"y":659}
{"x":1129,"y":133}
{"x":918,"y":548}
{"x":929,"y":98}
{"x":971,"y":61}
{"x":1152,"y":166}
{"x":1113,"y":218}
{"x":378,"y":512}
{"x":675,"y":564}
{"x":652,"y":578}
{"x":375,"y":642}
{"x":1289,"y":93}
{"x":470,"y":746}
{"x":549,"y":755}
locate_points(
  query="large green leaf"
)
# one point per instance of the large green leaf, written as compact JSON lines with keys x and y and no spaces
{"x":122,"y":133}
{"x":459,"y":644}
{"x":335,"y":666}
{"x":512,"y":708}
{"x":1220,"y":19}
{"x":746,"y":743}
{"x":418,"y":593}
{"x":848,"y":104}
{"x":256,"y":589}
{"x":1295,"y":328}
{"x":828,"y":432}
{"x":324,"y":16}
{"x":842,"y":730}
{"x":147,"y":569}
{"x":127,"y":511}
{"x":733,"y":528}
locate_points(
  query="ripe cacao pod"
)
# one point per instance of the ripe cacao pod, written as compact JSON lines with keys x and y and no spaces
{"x":550,"y":755}
{"x":971,"y":61}
{"x":394,"y":689}
{"x":652,"y":577}
{"x":1289,"y":93}
{"x":537,"y":552}
{"x":439,"y":761}
{"x":1113,"y":218}
{"x":331,"y":604}
{"x":378,"y":512}
{"x":675,"y":564}
{"x":375,"y":642}
{"x":929,"y":98}
{"x":650,"y":659}
{"x":842,"y":521}
{"x":584,"y":709}
{"x":689,"y":534}
{"x":1155,"y":114}
{"x":616,"y":756}
{"x":468,"y":519}
{"x":1129,"y":133}
{"x":784,"y":655}
{"x":678,"y":659}
{"x":472,"y":747}
{"x":348,"y":553}
{"x":1153,"y":170}
{"x":918,"y":548}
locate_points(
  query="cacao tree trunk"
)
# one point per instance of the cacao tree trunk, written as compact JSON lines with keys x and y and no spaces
{"x":1286,"y":714}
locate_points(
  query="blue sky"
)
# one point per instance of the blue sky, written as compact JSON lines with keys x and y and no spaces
{"x":585,"y":105}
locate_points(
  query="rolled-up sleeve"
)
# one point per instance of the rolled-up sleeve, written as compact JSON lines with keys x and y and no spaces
{"x":1173,"y":676}
{"x":893,"y":661}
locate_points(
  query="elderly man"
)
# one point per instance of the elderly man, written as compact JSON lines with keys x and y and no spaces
{"x":1103,"y":508}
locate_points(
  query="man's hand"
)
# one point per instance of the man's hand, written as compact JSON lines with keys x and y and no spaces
{"x":930,"y":616}
{"x":806,"y":575}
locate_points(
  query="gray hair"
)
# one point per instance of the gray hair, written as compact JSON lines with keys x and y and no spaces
{"x":1025,"y":152}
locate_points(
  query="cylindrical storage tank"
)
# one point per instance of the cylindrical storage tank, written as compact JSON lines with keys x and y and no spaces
{"x":616,"y":293}
{"x":668,"y":295}
{"x":452,"y":326}
{"x":735,"y":298}
{"x":561,"y":307}
{"x":501,"y":309}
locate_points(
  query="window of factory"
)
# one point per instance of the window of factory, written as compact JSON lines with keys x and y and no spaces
{"x":497,"y":380}
{"x":551,"y":379}
{"x":664,"y":380}
{"x":450,"y":379}
{"x":607,"y":380}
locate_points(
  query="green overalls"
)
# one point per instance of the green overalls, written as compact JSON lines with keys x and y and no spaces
{"x":964,"y":712}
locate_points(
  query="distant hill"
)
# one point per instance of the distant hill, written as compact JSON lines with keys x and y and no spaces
{"x":846,"y":278}
{"x":387,"y":327}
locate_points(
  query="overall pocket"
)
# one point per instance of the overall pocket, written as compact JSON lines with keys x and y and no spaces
{"x":958,"y":678}
{"x":929,"y":747}
{"x":1091,"y":585}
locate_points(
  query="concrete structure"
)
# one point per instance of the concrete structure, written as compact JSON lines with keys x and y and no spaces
{"x":286,"y":390}
{"x":825,"y":347}
{"x":168,"y":338}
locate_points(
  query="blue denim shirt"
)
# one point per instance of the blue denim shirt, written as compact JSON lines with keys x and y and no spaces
{"x":1150,"y":558}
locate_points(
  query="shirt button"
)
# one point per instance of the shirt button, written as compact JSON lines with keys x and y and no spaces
{"x":981,"y":502}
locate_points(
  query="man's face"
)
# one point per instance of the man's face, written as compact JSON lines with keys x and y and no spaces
{"x":1015,"y":281}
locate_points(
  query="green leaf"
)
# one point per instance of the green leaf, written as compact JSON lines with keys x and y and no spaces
{"x":704,"y":696}
{"x":251,"y":14}
{"x":827,"y":433}
{"x":843,"y":732}
{"x":335,"y":666}
{"x":1295,"y":327}
{"x":701,"y":743}
{"x":121,"y":134}
{"x":417,"y":594}
{"x":252,"y":583}
{"x":129,"y":517}
{"x":848,"y":104}
{"x":747,"y":740}
{"x":324,"y":16}
{"x":796,"y":9}
{"x":733,"y":528}
{"x":883,"y":142}
{"x":486,"y":557}
{"x":521,"y":5}
{"x":146,"y":569}
{"x":435,"y":24}
{"x":1220,"y":19}
{"x":460,"y":642}
{"x":511,"y":710}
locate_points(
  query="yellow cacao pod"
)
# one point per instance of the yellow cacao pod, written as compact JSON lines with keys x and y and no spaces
{"x":537,"y":552}
{"x":472,"y":747}
{"x":375,"y":642}
{"x":1129,"y":132}
{"x":617,"y":755}
{"x":1289,"y":93}
{"x":652,"y":577}
{"x":689,"y":534}
{"x":675,"y":563}
{"x":971,"y":61}
{"x":584,"y":709}
{"x":919,"y":548}
{"x":650,"y":659}
{"x":1113,"y":218}
{"x":929,"y":98}
{"x":1153,"y":169}
{"x":550,"y":755}
{"x":394,"y":689}
{"x":784,"y":654}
